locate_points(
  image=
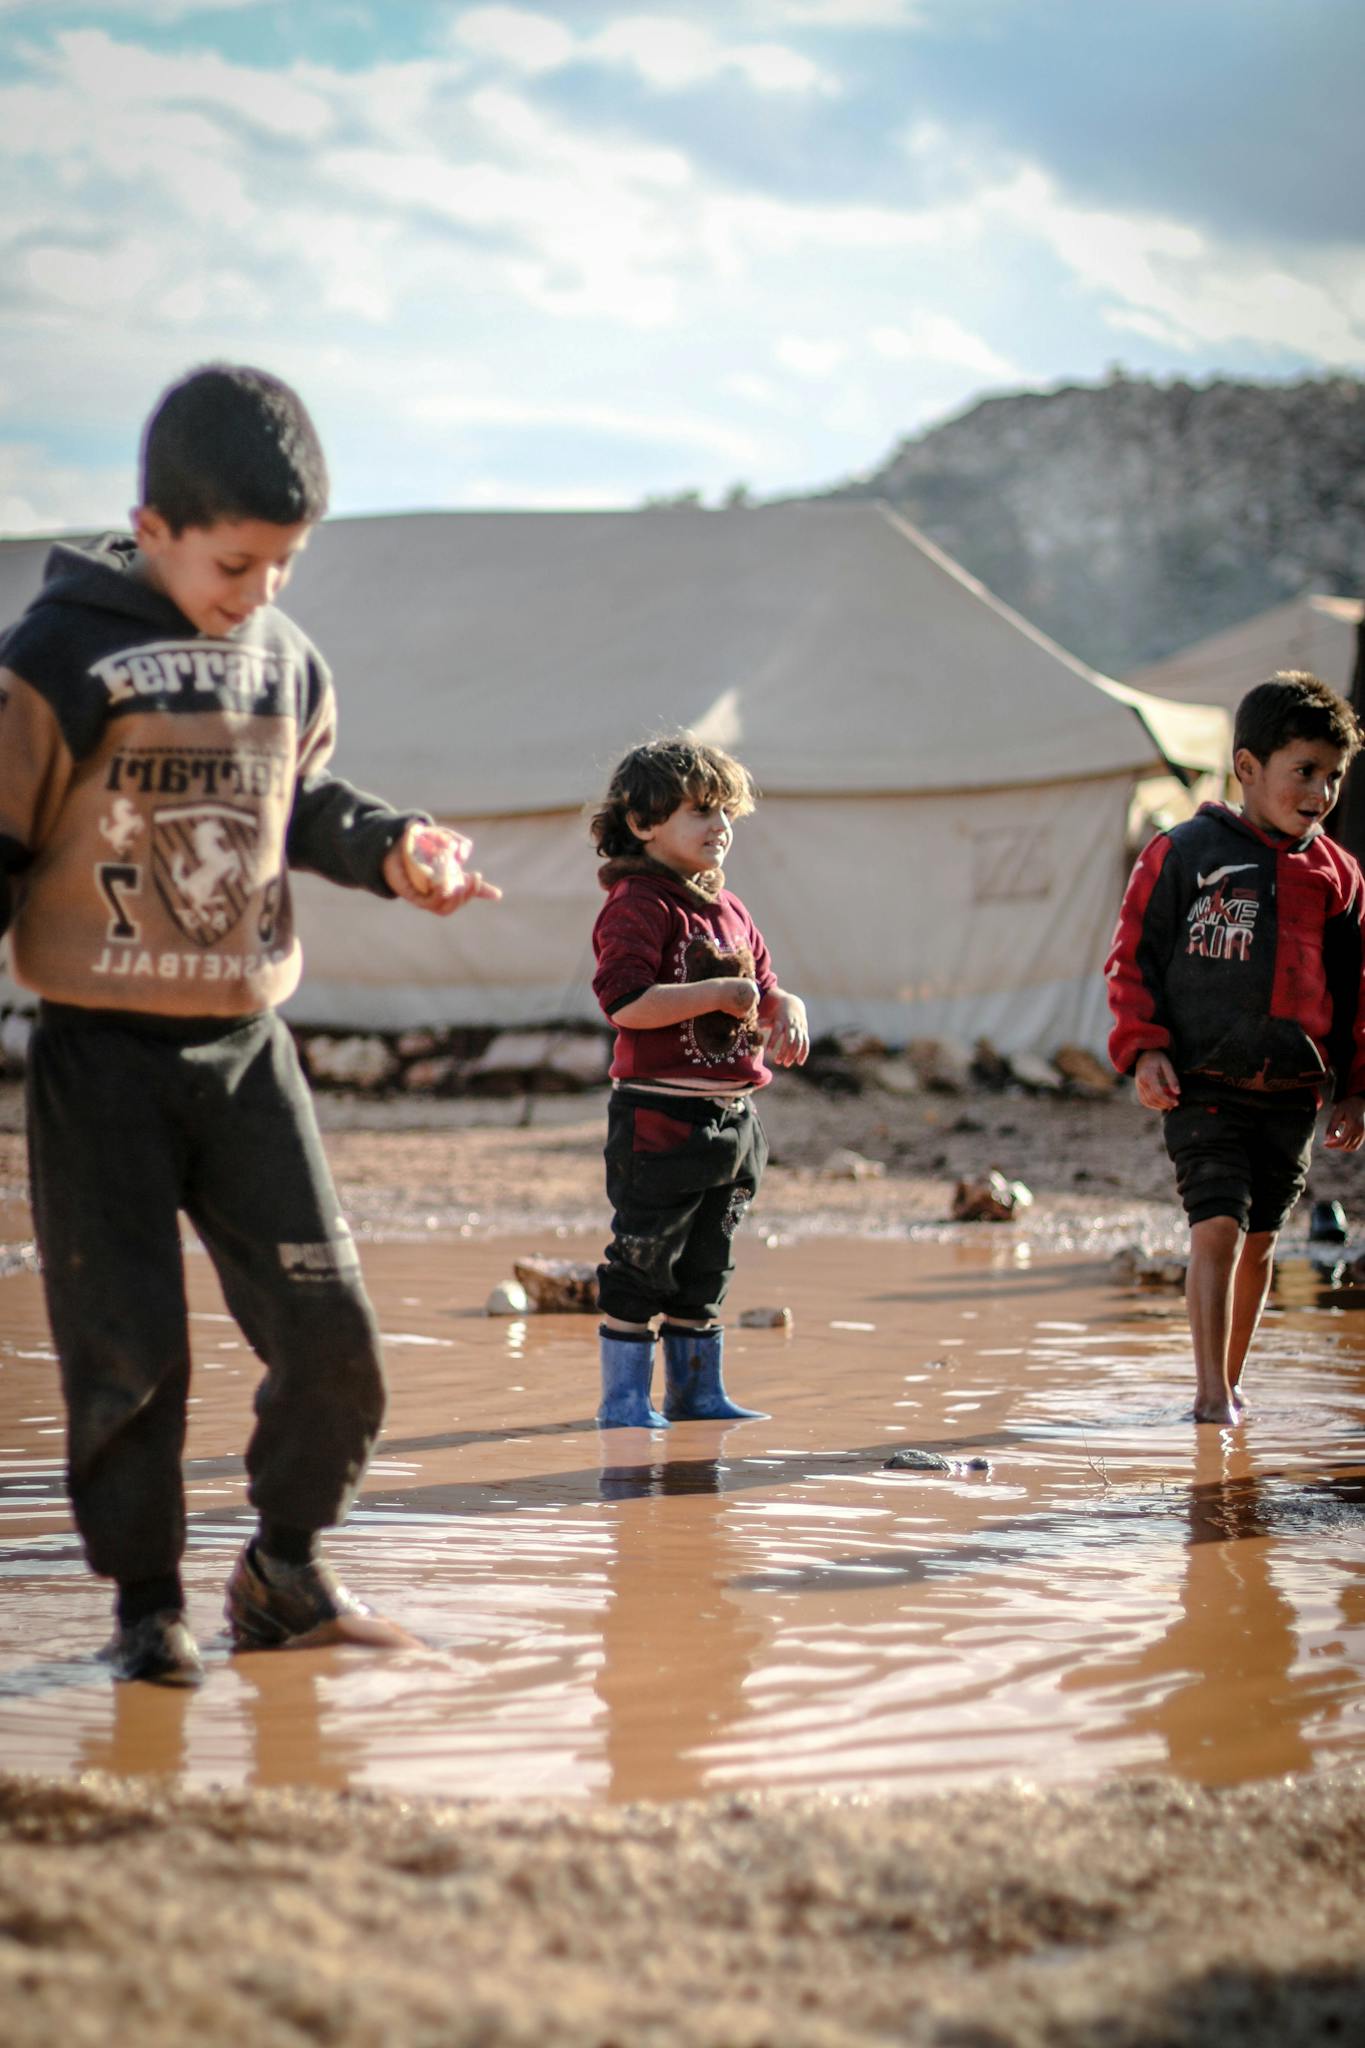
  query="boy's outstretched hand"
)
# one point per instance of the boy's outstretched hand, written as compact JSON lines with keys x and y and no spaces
{"x":1346,"y":1125}
{"x":426,"y":868}
{"x":788,"y":1031}
{"x":1156,"y":1081}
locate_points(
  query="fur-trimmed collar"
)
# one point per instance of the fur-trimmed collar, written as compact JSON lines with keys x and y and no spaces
{"x":704,"y":888}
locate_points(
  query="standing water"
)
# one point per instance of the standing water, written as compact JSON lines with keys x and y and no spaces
{"x":636,"y":1614}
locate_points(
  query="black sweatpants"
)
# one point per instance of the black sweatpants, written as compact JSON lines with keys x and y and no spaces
{"x":681,"y":1171}
{"x":130,"y":1121}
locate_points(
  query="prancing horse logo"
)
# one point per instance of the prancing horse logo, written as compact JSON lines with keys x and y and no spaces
{"x":202,"y":860}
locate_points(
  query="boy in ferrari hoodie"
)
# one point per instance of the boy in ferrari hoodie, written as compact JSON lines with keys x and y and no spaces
{"x":165,"y":735}
{"x":1235,"y":985}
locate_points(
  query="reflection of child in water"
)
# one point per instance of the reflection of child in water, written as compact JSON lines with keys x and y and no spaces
{"x":1235,"y":982}
{"x":683,"y":973}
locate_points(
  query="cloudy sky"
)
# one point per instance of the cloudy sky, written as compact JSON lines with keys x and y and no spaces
{"x":578,"y":254}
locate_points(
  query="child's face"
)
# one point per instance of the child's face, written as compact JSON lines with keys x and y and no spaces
{"x":694,"y":838}
{"x":218,"y":575}
{"x":1293,"y":789}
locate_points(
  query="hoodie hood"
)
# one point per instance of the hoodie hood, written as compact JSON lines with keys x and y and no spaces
{"x":704,"y":888}
{"x":104,"y":576}
{"x":1227,"y":816}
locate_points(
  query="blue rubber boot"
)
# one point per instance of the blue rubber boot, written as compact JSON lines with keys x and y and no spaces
{"x":627,"y":1367}
{"x":694,"y":1390}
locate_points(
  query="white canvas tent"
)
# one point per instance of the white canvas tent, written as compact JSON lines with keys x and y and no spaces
{"x":940,"y":845}
{"x":1312,"y":632}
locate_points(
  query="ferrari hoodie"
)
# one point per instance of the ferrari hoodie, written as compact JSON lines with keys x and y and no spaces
{"x":155,"y":786}
{"x":1239,"y":954}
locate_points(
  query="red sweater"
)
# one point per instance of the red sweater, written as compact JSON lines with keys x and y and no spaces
{"x":654,"y":927}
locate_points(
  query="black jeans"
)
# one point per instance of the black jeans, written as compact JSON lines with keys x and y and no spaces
{"x":681,"y":1171}
{"x":130,"y":1122}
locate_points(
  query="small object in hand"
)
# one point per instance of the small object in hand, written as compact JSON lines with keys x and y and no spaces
{"x":432,"y":857}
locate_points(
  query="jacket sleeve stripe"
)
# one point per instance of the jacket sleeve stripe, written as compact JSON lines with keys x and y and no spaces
{"x":1142,"y":944}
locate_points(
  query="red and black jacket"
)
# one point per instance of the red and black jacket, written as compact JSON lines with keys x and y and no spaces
{"x":1239,"y":954}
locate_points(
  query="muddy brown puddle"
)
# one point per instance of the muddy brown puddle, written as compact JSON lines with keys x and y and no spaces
{"x":629,"y":1615}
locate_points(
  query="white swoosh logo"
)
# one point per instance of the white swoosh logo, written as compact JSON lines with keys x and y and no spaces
{"x":1207,"y":881}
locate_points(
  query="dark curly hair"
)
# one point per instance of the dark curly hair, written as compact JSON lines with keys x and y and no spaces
{"x":1294,"y":705}
{"x":655,"y":778}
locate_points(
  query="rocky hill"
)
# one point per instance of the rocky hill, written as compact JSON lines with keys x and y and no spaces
{"x":1130,"y":518}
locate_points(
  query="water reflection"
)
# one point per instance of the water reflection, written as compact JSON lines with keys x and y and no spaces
{"x":1224,"y":1688}
{"x":146,"y":1734}
{"x":677,"y":1642}
{"x":294,"y":1740}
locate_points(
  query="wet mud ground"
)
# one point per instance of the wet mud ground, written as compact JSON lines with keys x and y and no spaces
{"x":724,"y":1735}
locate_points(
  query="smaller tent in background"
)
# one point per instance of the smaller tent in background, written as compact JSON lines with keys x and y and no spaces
{"x":940,"y":847}
{"x":1325,"y":635}
{"x":1320,"y":634}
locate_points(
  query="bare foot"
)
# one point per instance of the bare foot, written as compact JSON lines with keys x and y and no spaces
{"x":1225,"y":1412}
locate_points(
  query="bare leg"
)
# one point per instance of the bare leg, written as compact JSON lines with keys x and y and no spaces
{"x":1251,"y":1285}
{"x":1215,"y":1248}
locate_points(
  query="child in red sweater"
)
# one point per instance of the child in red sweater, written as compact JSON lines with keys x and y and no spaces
{"x":684,"y":975}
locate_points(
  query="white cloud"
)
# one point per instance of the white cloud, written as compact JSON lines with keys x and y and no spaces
{"x":156,"y":12}
{"x":1166,"y":280}
{"x":38,"y":495}
{"x":755,"y":390}
{"x":93,"y":280}
{"x":494,"y":495}
{"x":938,"y":337}
{"x":674,"y":55}
{"x":669,"y":52}
{"x":809,"y":358}
{"x":847,"y":14}
{"x":527,"y":41}
{"x":444,"y":408}
{"x":103,"y":73}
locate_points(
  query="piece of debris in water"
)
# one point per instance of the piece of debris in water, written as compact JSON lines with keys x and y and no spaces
{"x":765,"y":1319}
{"x":1134,"y":1265}
{"x":993,"y":1200}
{"x":845,"y":1164}
{"x":1328,"y":1224}
{"x":907,"y":1459}
{"x":558,"y":1286}
{"x":509,"y":1298}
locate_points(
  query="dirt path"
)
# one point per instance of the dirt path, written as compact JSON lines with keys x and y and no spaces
{"x":1133,"y":1915}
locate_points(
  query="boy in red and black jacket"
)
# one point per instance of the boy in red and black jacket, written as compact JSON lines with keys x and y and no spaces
{"x":1235,"y":979}
{"x":684,"y":975}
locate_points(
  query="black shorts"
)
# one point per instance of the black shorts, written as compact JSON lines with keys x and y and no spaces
{"x":1244,"y":1156}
